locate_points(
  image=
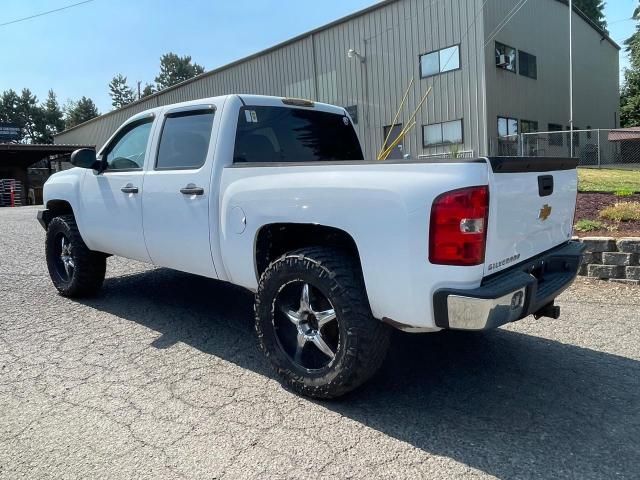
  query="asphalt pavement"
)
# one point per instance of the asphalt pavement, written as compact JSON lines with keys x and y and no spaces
{"x":159,"y":377}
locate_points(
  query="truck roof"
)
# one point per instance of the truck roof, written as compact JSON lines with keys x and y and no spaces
{"x":247,"y":99}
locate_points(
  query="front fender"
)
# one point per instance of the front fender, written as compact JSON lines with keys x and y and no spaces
{"x":65,"y":187}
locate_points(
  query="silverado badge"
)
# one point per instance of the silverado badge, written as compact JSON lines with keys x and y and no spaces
{"x":545,"y":212}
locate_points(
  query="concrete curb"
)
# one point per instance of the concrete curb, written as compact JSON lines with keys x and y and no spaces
{"x":608,"y":258}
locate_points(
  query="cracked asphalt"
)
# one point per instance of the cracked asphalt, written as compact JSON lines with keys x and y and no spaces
{"x":159,"y":377}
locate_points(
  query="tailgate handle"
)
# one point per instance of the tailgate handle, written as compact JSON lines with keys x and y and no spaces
{"x":545,"y":185}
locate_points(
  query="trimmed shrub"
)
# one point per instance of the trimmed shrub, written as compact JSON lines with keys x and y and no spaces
{"x":622,"y":212}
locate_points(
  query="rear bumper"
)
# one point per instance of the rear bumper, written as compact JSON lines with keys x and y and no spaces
{"x":510,"y":295}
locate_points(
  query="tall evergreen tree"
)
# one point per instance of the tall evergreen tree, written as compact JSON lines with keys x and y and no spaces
{"x":121,"y":93}
{"x":30,"y":117}
{"x":175,"y":69}
{"x":149,"y":89}
{"x":9,"y":101}
{"x":80,"y":112}
{"x":630,"y":98}
{"x":53,"y":118}
{"x":594,"y":9}
{"x":37,"y":122}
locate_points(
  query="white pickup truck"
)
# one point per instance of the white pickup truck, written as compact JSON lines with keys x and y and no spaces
{"x":273,"y":194}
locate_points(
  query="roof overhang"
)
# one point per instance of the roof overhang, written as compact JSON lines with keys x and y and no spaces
{"x":625,"y":135}
{"x":22,"y":155}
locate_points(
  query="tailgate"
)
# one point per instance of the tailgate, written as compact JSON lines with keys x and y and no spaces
{"x":531,"y":209}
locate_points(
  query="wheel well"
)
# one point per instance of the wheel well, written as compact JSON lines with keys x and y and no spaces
{"x":277,"y":239}
{"x":59,"y":207}
{"x":55,"y":208}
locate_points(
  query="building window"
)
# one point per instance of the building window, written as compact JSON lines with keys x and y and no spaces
{"x":528,"y":126}
{"x":505,"y":57}
{"x":556,"y":139}
{"x":447,"y":133}
{"x":440,"y":61}
{"x":507,"y":127}
{"x":528,"y":64}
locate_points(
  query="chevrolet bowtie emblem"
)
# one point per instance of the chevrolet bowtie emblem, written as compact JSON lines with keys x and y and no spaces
{"x":545,"y":212}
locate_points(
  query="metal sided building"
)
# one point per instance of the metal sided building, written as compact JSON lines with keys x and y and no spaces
{"x":496,"y":68}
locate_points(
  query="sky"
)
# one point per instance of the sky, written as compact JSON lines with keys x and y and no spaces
{"x":77,"y":51}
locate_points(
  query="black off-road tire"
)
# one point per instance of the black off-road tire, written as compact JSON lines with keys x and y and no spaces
{"x":363,"y":340}
{"x":89,"y":267}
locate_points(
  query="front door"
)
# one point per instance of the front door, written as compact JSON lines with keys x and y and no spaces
{"x":112,"y":200}
{"x":177,"y":192}
{"x":396,"y":153}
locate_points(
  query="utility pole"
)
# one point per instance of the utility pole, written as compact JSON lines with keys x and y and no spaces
{"x":571,"y":74}
{"x":139,"y":82}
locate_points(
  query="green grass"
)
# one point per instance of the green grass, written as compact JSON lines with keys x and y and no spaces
{"x":608,"y":181}
{"x":623,"y":192}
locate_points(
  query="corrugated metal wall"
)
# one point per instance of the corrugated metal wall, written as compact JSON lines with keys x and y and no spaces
{"x":541,"y":28}
{"x":391,"y":37}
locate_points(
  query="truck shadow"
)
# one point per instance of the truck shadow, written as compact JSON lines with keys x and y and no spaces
{"x":508,"y":404}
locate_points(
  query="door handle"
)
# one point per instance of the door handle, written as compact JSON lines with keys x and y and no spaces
{"x":128,"y":188}
{"x":191,"y":189}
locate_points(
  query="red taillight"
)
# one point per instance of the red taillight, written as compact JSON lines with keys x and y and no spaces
{"x":458,"y":230}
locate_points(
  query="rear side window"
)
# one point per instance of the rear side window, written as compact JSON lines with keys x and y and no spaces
{"x":282,"y":134}
{"x":184,"y":141}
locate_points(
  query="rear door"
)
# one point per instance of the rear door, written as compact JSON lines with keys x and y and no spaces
{"x":532,"y":205}
{"x":177,"y":189}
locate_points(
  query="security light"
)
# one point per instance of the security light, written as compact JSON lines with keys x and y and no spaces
{"x":351,"y":53}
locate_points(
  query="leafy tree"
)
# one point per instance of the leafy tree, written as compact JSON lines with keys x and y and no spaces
{"x":630,"y":98}
{"x":80,"y":112}
{"x":175,"y":69}
{"x":594,"y":9}
{"x":149,"y":89}
{"x":121,"y":93}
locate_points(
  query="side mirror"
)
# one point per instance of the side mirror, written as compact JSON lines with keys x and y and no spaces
{"x":85,"y":158}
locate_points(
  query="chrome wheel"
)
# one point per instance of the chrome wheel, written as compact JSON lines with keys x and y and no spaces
{"x":306,"y":325}
{"x":64,"y":261}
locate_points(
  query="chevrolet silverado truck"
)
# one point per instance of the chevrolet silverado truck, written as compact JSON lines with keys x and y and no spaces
{"x":274,"y":195}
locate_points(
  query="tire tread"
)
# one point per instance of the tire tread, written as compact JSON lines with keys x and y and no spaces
{"x":90,"y":266}
{"x":370,"y":337}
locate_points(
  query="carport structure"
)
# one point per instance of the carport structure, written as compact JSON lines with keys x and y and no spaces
{"x":16,"y":158}
{"x":629,"y":141}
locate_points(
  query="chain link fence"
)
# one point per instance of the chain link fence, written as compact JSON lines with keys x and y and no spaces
{"x":594,"y":148}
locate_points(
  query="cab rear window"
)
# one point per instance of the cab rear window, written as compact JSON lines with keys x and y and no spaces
{"x":282,"y":134}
